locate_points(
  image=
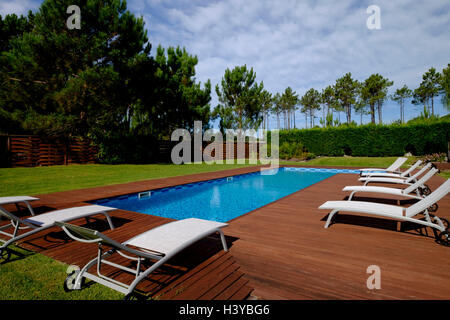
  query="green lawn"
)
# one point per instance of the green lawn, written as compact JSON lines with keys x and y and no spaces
{"x":367,"y":162}
{"x":41,"y":180}
{"x":33,"y":276}
{"x":445,"y":174}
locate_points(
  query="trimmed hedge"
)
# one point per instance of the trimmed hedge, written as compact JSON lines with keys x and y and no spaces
{"x":372,"y":140}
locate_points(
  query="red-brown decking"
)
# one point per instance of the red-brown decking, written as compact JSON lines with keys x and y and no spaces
{"x":281,"y":250}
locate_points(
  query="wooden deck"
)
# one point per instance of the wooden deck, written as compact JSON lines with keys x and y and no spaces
{"x":280,"y":251}
{"x":287,"y":254}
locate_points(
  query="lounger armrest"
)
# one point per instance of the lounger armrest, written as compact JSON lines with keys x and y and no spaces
{"x":84,"y":234}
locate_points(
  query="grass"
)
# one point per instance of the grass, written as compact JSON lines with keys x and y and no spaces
{"x":367,"y":162}
{"x":375,"y":162}
{"x":445,"y":174}
{"x":33,"y":276}
{"x":42,"y":180}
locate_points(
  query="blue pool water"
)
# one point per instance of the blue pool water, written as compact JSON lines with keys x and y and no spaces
{"x":221,"y":199}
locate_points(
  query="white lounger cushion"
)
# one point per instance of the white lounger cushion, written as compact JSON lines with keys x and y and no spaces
{"x":403,"y":174}
{"x":393,"y":167}
{"x":387,"y":180}
{"x":8,"y":200}
{"x":396,"y":212}
{"x":364,"y":207}
{"x":393,"y":191}
{"x":68,"y":214}
{"x":395,"y":179}
{"x":171,"y":236}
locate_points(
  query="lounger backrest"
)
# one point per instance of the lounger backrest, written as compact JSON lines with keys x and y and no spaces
{"x":397,"y":164}
{"x":88,"y":235}
{"x":421,"y":181}
{"x":434,"y":197}
{"x":413,"y":167}
{"x":10,"y":216}
{"x":418,"y":173}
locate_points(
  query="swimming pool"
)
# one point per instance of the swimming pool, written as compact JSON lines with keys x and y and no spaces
{"x":221,"y":199}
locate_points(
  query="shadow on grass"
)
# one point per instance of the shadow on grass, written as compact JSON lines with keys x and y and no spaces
{"x":12,"y":254}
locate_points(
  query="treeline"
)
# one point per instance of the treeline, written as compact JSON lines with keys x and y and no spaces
{"x":348,"y":95}
{"x":244,"y":104}
{"x":101,"y":81}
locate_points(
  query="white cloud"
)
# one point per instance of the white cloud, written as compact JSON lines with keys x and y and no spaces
{"x":301,"y":44}
{"x":305,"y":43}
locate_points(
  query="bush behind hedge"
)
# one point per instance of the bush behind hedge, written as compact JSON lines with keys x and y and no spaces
{"x":372,"y":140}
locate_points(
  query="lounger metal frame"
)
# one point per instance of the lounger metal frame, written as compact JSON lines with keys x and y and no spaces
{"x":26,"y":202}
{"x":406,"y":192}
{"x":439,"y":225}
{"x":398,"y":180}
{"x":421,"y":207}
{"x":394,"y":167}
{"x":404,"y":174}
{"x":92,"y":236}
{"x":16,"y":222}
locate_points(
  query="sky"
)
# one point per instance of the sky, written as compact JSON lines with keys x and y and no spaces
{"x":301,"y":44}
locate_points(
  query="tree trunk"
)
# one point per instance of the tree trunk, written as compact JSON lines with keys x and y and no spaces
{"x":432,"y":106}
{"x":294,"y":120}
{"x":402,"y":111}
{"x":349,"y":114}
{"x":372,"y":113}
{"x":448,"y":150}
{"x":380,"y":119}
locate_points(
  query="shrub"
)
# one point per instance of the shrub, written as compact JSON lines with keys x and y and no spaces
{"x":309,"y":155}
{"x":435,"y":157}
{"x":371,"y":140}
{"x":290,"y":150}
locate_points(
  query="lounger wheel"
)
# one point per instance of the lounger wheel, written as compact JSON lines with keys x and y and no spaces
{"x":69,"y":282}
{"x":446,"y":223}
{"x":433,"y":208}
{"x":425,"y":191}
{"x":443,"y":238}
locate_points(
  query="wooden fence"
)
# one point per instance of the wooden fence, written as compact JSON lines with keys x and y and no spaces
{"x":32,"y":151}
{"x":165,"y":150}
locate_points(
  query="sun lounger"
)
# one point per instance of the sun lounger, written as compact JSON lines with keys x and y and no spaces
{"x":405,"y":192}
{"x":403,"y":174}
{"x":405,"y":180}
{"x":160,"y":244}
{"x":16,"y":200}
{"x":397,"y":212}
{"x":46,"y":220}
{"x":392,"y":168}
